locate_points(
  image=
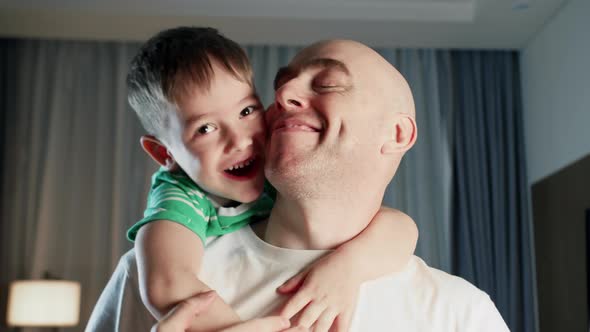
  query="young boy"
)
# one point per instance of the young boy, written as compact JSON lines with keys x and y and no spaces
{"x":192,"y":90}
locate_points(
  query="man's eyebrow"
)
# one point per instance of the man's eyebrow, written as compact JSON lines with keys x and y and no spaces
{"x":325,"y":63}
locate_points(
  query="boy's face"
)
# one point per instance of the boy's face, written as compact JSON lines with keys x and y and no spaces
{"x":218,"y":137}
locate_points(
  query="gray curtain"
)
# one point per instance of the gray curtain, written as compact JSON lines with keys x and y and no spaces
{"x":492,"y":246}
{"x":7,"y":77}
{"x":74,"y":177}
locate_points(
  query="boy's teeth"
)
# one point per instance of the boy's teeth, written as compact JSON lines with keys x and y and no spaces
{"x":241,"y":165}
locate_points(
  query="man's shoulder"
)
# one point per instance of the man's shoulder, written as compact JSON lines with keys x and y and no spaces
{"x":421,"y":282}
{"x":431,"y":300}
{"x":440,"y":277}
{"x":453,"y":287}
{"x":119,"y":307}
{"x":127,"y":259}
{"x":127,"y":265}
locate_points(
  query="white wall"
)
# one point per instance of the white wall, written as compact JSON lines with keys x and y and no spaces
{"x":556,"y":91}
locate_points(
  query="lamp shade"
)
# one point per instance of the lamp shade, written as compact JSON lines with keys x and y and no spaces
{"x":43,"y":303}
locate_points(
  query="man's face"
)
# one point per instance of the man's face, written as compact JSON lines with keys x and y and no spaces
{"x":325,"y":123}
{"x":217,"y":137}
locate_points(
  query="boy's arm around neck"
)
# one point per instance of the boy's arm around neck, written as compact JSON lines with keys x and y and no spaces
{"x":332,"y":283}
{"x":385,"y":246}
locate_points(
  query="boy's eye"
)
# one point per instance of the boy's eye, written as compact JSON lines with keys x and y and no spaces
{"x":247,"y":111}
{"x":207,"y":128}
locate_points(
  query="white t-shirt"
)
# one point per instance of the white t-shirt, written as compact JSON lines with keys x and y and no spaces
{"x":245,"y":271}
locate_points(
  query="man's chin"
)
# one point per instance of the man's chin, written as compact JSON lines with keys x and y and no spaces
{"x":289,"y":169}
{"x":292,"y":143}
{"x":285,"y":160}
{"x":289,"y":154}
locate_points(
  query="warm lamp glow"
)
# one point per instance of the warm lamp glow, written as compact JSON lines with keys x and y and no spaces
{"x":43,"y":303}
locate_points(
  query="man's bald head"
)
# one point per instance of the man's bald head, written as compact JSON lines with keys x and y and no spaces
{"x":387,"y":82}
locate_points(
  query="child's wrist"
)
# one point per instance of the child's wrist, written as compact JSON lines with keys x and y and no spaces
{"x":357,"y":266}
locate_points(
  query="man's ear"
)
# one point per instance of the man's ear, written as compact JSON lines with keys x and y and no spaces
{"x":158,"y":151}
{"x":404,"y":137}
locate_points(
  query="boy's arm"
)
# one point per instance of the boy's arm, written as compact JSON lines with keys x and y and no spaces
{"x":384,"y":246}
{"x":327,"y":291}
{"x":168,"y":262}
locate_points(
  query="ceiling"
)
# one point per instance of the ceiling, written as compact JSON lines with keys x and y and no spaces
{"x":473,"y":24}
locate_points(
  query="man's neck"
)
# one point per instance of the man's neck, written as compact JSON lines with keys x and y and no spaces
{"x":316,"y":224}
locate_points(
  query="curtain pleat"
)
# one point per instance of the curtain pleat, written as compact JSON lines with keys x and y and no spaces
{"x":492,"y":246}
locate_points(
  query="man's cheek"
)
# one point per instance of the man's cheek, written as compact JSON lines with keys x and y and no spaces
{"x":269,"y":116}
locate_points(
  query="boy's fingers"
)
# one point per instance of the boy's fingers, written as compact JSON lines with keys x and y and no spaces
{"x":296,"y":329}
{"x":311,"y":313}
{"x":325,"y":321}
{"x":179,"y":318}
{"x":266,"y":324}
{"x":292,"y":284}
{"x":295,"y":304}
{"x":346,"y":319}
{"x":342,"y":322}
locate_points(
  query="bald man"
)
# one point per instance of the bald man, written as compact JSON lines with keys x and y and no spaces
{"x":342,"y":120}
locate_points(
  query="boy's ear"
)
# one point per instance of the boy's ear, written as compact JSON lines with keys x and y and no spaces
{"x":158,"y":151}
{"x":404,"y":137}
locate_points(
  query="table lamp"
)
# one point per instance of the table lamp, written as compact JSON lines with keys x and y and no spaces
{"x":43,"y":303}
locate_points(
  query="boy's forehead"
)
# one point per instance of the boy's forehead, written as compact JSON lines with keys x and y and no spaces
{"x":224,"y":94}
{"x":199,"y":76}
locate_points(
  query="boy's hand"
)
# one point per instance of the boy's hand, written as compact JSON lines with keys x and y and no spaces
{"x":180,"y":317}
{"x":324,"y":298}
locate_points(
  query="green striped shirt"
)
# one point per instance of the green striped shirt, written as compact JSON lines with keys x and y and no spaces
{"x":176,"y":197}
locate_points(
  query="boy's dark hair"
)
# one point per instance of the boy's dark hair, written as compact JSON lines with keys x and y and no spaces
{"x":172,"y":64}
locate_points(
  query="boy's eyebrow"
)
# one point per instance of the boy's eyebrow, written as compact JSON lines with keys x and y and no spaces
{"x":325,"y":63}
{"x":196,"y":117}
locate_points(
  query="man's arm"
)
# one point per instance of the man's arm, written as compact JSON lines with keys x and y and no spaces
{"x":168,"y":261}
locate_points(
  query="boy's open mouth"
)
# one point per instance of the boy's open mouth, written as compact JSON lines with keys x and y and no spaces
{"x":243,"y":170}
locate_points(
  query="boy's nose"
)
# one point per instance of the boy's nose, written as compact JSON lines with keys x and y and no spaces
{"x":239,"y":141}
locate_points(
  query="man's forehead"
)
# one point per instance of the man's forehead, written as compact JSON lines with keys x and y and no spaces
{"x":301,"y":65}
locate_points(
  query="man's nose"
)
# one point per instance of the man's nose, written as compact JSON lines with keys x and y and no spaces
{"x":290,"y":97}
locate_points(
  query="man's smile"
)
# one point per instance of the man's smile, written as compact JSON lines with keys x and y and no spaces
{"x":296,"y":124}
